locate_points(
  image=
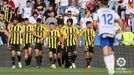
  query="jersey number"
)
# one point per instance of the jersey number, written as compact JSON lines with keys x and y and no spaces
{"x":107,"y":19}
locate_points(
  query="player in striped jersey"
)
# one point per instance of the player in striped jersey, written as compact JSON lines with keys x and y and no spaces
{"x":38,"y":32}
{"x":89,"y":36}
{"x":53,"y":40}
{"x":27,"y":41}
{"x":71,"y":37}
{"x":15,"y":40}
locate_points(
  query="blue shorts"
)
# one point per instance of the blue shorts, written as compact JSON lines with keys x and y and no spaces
{"x":107,"y":41}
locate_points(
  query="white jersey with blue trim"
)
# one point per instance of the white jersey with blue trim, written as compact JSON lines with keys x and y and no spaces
{"x":106,"y":20}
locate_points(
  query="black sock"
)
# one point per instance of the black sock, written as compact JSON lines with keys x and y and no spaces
{"x":13,"y":60}
{"x":40,"y":59}
{"x":29,"y":59}
{"x":70,"y":60}
{"x":74,"y":58}
{"x":90,"y":60}
{"x":37,"y":60}
{"x":54,"y":60}
{"x":59,"y":62}
{"x":19,"y":58}
{"x":87,"y":60}
{"x":26,"y":61}
{"x":51,"y":60}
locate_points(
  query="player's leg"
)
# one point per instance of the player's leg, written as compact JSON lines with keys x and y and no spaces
{"x":70,"y":57}
{"x":19,"y":54}
{"x":26,"y":56}
{"x":29,"y":55}
{"x":55,"y":59}
{"x":40,"y":53}
{"x":13,"y":54}
{"x":107,"y":45}
{"x":59,"y":56}
{"x":51,"y":57}
{"x":37,"y":57}
{"x":74,"y":56}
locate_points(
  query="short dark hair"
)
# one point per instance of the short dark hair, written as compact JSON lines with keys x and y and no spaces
{"x":28,"y":1}
{"x":52,"y":23}
{"x":88,"y":22}
{"x":104,"y":2}
{"x":26,"y":19}
{"x":70,"y":20}
{"x":38,"y":19}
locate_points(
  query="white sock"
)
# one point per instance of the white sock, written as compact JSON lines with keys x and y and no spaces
{"x":109,"y":62}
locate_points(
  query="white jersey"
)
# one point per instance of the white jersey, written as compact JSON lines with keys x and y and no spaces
{"x":106,"y":20}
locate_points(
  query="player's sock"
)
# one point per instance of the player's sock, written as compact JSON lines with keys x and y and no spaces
{"x":54,"y":60}
{"x":40,"y":60}
{"x":74,"y":58}
{"x":112,"y":64}
{"x":90,"y":59}
{"x":109,"y":62}
{"x":29,"y":59}
{"x":70,"y":60}
{"x":87,"y":60}
{"x":37,"y":60}
{"x":51,"y":60}
{"x":59,"y":62}
{"x":19,"y":58}
{"x":26,"y":61}
{"x":13,"y":60}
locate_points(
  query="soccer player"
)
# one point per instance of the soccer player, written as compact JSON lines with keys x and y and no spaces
{"x":89,"y":36}
{"x":27,"y":41}
{"x":60,"y":50}
{"x":15,"y":40}
{"x":71,"y":37}
{"x":104,"y":21}
{"x":53,"y":40}
{"x":38,"y":32}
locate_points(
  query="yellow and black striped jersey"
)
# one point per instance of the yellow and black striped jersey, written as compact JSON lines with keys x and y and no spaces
{"x":39,"y":30}
{"x":53,"y":38}
{"x":88,"y":35}
{"x":71,"y":35}
{"x":16,"y":34}
{"x":28,"y":37}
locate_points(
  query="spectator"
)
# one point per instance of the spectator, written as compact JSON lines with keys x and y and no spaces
{"x":69,"y":15}
{"x":63,"y":5}
{"x":73,"y":8}
{"x":33,"y":18}
{"x":51,"y":18}
{"x":85,"y":18}
{"x":27,"y":10}
{"x":128,"y":37}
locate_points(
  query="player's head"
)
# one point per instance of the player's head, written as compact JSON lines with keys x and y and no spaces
{"x":52,"y":25}
{"x":70,"y":22}
{"x":89,"y":24}
{"x":26,"y":21}
{"x":35,"y":14}
{"x":104,"y":2}
{"x":60,"y":23}
{"x":15,"y":21}
{"x":39,"y":21}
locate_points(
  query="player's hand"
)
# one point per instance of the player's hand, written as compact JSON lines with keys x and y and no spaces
{"x":90,"y":43}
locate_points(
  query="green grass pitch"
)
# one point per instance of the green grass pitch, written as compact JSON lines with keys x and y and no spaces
{"x":61,"y":71}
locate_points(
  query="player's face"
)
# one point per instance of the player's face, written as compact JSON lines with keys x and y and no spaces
{"x":89,"y":26}
{"x":52,"y":26}
{"x":28,"y":4}
{"x":60,"y":25}
{"x":15,"y":22}
{"x":69,"y":23}
{"x":26,"y":22}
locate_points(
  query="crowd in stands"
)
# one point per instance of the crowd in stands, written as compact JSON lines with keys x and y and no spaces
{"x":58,"y":11}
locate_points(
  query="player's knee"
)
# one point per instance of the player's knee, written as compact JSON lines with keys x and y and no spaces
{"x":19,"y":53}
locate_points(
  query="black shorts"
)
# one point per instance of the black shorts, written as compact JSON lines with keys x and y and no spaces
{"x":27,"y":46}
{"x":38,"y":46}
{"x":71,"y":48}
{"x":53,"y":50}
{"x":89,"y":49}
{"x":15,"y":47}
{"x":60,"y":49}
